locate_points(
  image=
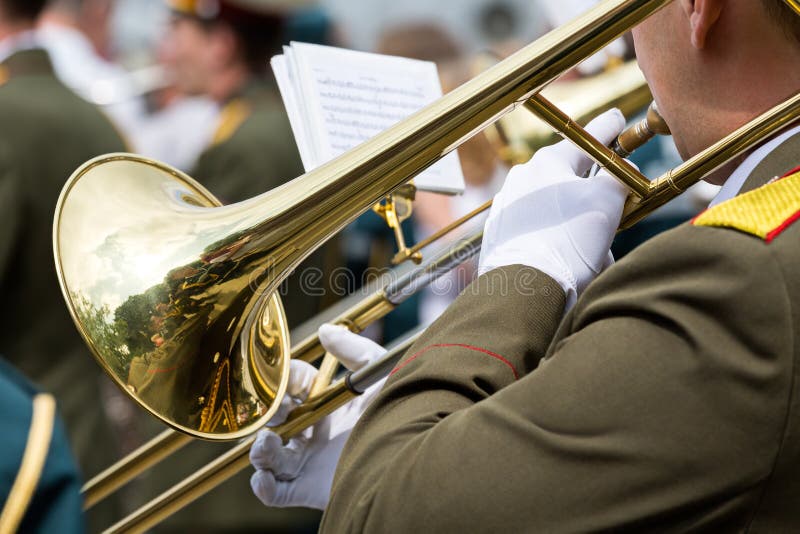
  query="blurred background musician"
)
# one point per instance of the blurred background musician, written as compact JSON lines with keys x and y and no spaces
{"x":220,"y":49}
{"x":46,"y":132}
{"x":76,"y":34}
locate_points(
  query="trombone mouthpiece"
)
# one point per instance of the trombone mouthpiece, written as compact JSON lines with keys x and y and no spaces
{"x":640,"y":133}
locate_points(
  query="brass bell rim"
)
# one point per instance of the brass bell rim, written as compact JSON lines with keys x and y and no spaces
{"x":273,"y":300}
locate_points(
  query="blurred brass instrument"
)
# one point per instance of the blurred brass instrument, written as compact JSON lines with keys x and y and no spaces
{"x":174,"y":294}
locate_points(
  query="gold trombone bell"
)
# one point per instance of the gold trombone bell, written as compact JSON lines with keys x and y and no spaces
{"x":162,"y":286}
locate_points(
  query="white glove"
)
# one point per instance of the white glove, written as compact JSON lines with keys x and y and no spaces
{"x":300,"y":473}
{"x":547,"y":217}
{"x":560,"y":12}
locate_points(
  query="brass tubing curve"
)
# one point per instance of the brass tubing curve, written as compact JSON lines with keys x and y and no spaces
{"x":402,"y":256}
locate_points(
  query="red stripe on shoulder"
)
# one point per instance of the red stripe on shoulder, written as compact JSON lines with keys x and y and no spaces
{"x":793,"y":171}
{"x":459,"y":345}
{"x":784,"y":225}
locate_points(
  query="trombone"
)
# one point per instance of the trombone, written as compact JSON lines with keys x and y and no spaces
{"x":207,"y":274}
{"x":379,"y":303}
{"x":631,"y":96}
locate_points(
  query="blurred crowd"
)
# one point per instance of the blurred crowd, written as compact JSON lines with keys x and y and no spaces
{"x":198,"y":95}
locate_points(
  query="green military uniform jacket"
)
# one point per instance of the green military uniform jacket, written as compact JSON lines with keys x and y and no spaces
{"x":667,"y":399}
{"x":46,"y":132}
{"x":39,"y":481}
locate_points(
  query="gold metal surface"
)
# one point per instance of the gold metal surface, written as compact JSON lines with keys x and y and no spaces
{"x":604,"y":156}
{"x":139,"y":461}
{"x":677,"y":180}
{"x":309,"y":349}
{"x":230,"y":463}
{"x":157,"y":293}
{"x":651,"y":125}
{"x":236,"y":459}
{"x":140,"y":252}
{"x":519,"y":134}
{"x":633,"y":137}
{"x":396,"y":208}
{"x":132,"y":235}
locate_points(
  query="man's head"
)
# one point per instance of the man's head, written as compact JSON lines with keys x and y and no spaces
{"x":20,"y":12}
{"x":90,"y":17}
{"x":713,"y":65}
{"x":211,"y":39}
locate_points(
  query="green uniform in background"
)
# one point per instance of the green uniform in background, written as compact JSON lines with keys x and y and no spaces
{"x":45,"y":495}
{"x":667,"y":399}
{"x":46,"y":132}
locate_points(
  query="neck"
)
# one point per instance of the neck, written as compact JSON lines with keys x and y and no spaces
{"x":747,"y":67}
{"x":54,"y":17}
{"x":228,"y":82}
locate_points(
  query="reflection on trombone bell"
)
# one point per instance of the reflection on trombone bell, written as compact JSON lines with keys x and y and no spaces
{"x":156,"y":223}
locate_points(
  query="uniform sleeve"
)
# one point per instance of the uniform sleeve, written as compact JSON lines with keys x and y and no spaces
{"x":663,"y":396}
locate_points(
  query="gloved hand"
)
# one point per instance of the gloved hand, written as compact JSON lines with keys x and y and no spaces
{"x":547,"y":217}
{"x":563,"y":11}
{"x":300,"y":473}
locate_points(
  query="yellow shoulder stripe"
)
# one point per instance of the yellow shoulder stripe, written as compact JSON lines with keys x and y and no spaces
{"x":230,"y":118}
{"x":764,"y":212}
{"x":33,"y":459}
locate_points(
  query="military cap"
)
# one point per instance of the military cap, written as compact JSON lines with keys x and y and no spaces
{"x":236,"y":9}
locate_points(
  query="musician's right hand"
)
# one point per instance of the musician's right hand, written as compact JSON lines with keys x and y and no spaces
{"x":547,"y":216}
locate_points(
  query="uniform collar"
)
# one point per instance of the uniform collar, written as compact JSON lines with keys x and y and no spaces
{"x":18,"y":42}
{"x":757,"y":169}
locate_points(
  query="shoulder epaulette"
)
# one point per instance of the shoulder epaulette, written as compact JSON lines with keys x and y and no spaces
{"x":764,"y":212}
{"x":230,"y":118}
{"x":30,"y":471}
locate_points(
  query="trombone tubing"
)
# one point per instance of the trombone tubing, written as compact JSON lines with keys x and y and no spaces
{"x":677,"y":180}
{"x":667,"y":187}
{"x":224,"y":467}
{"x":634,"y":137}
{"x":309,"y":349}
{"x":364,"y":175}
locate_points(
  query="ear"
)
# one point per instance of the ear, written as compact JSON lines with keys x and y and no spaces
{"x":702,"y":15}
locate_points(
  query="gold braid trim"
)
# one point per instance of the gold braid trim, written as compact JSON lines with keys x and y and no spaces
{"x":30,"y":470}
{"x":764,"y":212}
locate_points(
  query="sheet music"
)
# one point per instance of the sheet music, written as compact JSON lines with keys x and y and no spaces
{"x":344,"y":98}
